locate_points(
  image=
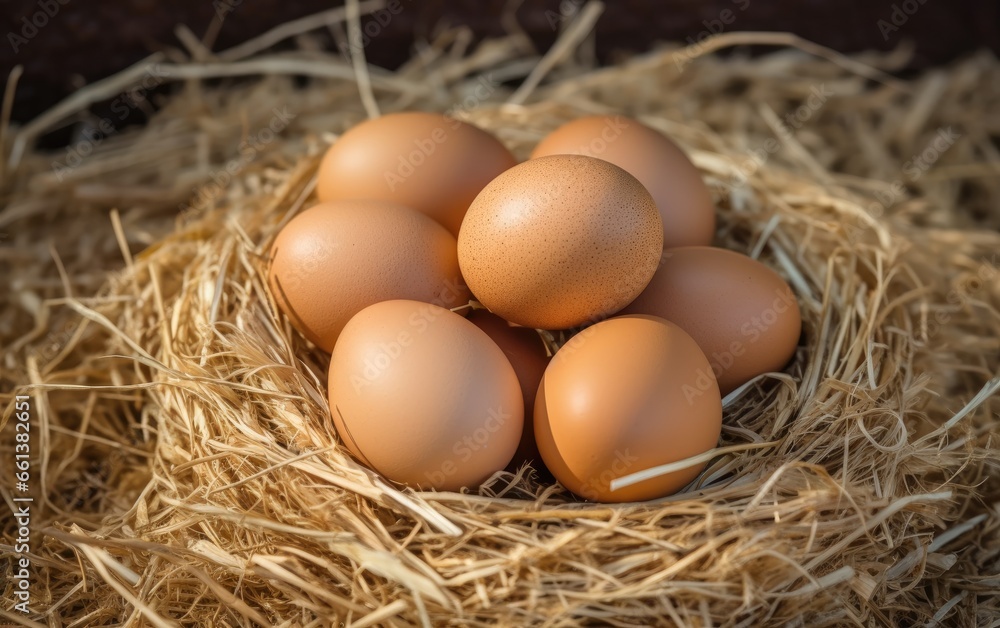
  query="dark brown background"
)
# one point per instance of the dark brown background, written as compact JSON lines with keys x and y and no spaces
{"x":87,"y":40}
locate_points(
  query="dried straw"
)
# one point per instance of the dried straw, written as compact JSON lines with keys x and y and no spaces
{"x":187,"y":470}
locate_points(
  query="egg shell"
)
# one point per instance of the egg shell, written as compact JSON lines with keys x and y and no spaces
{"x":424,"y":397}
{"x":432,"y":163}
{"x":334,"y":259}
{"x":742,"y":314}
{"x":622,"y":396}
{"x":681,"y":196}
{"x":559,"y":241}
{"x":526,"y":352}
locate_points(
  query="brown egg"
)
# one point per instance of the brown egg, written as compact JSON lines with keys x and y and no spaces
{"x":336,"y":258}
{"x":622,"y":396}
{"x":742,"y":314}
{"x":559,"y":241}
{"x":424,"y":397}
{"x":526,"y":352}
{"x":427,"y":161}
{"x":680,"y":194}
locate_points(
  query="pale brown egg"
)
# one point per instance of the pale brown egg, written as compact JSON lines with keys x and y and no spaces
{"x":430,"y":162}
{"x":622,"y":396}
{"x":742,"y":314}
{"x":526,"y":352}
{"x":424,"y":397}
{"x":560,"y":241}
{"x":336,"y":258}
{"x":680,"y":193}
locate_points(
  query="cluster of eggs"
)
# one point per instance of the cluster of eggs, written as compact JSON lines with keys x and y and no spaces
{"x":605,"y":231}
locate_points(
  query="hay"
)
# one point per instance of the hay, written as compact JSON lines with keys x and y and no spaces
{"x":189,"y":472}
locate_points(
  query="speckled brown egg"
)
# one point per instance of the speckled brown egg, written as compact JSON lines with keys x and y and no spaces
{"x":430,"y":162}
{"x":336,"y":258}
{"x":423,"y":396}
{"x":684,"y":202}
{"x":526,"y":352}
{"x":623,"y":396}
{"x":742,"y":314}
{"x":560,"y":241}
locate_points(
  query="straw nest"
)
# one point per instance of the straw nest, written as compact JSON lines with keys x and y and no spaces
{"x":186,"y":469}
